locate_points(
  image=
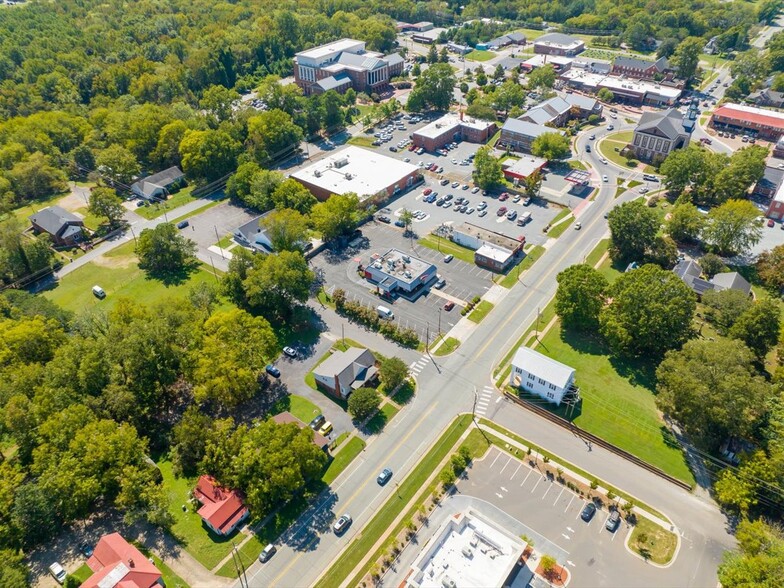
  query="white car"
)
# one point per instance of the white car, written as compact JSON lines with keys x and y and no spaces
{"x":482,"y":213}
{"x":407,"y":159}
{"x":610,"y":127}
{"x":476,"y":188}
{"x":604,"y":161}
{"x":605,"y":179}
{"x":644,"y":190}
{"x":454,"y":161}
{"x":482,"y":205}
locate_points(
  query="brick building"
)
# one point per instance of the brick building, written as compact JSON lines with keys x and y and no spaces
{"x":758,"y":122}
{"x":452,"y":127}
{"x":641,"y":69}
{"x":558,"y":44}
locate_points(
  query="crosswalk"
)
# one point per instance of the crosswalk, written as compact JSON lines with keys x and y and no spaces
{"x":419,"y":364}
{"x":483,"y":400}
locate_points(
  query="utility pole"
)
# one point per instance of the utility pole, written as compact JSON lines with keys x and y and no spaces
{"x":427,"y":339}
{"x":214,"y":271}
{"x":218,"y":240}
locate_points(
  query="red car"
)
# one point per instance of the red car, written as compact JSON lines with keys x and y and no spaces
{"x":503,"y":197}
{"x":771,"y":223}
{"x":411,"y":147}
{"x":449,"y":305}
{"x":501,"y":211}
{"x":427,"y":191}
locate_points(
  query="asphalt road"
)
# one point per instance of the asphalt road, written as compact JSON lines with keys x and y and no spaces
{"x":446,"y":387}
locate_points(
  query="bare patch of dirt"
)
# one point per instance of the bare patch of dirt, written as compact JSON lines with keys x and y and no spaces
{"x":118,"y":262}
{"x":75,"y":200}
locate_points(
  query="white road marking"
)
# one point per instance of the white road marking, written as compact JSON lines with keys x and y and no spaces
{"x":579,"y":512}
{"x":526,"y":478}
{"x":604,"y":523}
{"x":565,"y":536}
{"x":504,"y":489}
{"x":537,"y":483}
{"x":570,"y":563}
{"x":495,"y":460}
{"x":499,"y":399}
{"x":570,"y":529}
{"x":499,"y":495}
{"x":570,"y":503}
{"x":559,"y":496}
{"x":506,"y":464}
{"x":549,"y":487}
{"x":519,"y":465}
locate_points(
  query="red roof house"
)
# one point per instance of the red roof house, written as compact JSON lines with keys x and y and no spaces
{"x":115,"y":562}
{"x":221,"y":509}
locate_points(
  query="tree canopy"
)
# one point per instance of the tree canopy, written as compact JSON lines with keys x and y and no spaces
{"x":164,"y":251}
{"x":551,"y":146}
{"x":633,"y":228}
{"x":580,"y":297}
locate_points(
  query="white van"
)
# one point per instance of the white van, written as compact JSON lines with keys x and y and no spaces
{"x":98,"y":292}
{"x":385,"y":312}
{"x":525,"y":217}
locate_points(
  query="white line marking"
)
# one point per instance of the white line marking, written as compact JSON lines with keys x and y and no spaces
{"x":579,"y":512}
{"x":499,"y":399}
{"x":519,"y":465}
{"x":537,"y":483}
{"x":504,"y":489}
{"x":495,"y":460}
{"x":565,"y":536}
{"x":570,"y":504}
{"x":526,"y":478}
{"x":549,"y":487}
{"x":570,"y":529}
{"x":604,"y":523}
{"x":499,"y":495}
{"x":559,"y":496}
{"x":506,"y":464}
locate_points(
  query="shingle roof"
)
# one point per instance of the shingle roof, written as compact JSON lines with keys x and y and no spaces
{"x":350,"y":366}
{"x":393,"y":58}
{"x":668,"y":123}
{"x":526,"y":128}
{"x":115,"y":562}
{"x":162,"y":179}
{"x":54,"y":219}
{"x":253,"y":234}
{"x":541,"y":366}
{"x":731,"y":281}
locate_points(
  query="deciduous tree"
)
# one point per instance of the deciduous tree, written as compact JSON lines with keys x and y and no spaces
{"x":433,"y":89}
{"x":686,"y":222}
{"x":758,"y":327}
{"x":580,"y":297}
{"x":633,"y":228}
{"x":487,"y":169}
{"x":287,"y":229}
{"x":163,"y":250}
{"x":338,"y":215}
{"x":363,"y":402}
{"x":392,"y":372}
{"x":733,"y":227}
{"x":277,"y":283}
{"x":770,"y":268}
{"x":106,"y":203}
{"x":551,"y":146}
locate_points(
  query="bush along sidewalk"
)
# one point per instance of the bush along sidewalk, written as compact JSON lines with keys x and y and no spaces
{"x":369,"y":317}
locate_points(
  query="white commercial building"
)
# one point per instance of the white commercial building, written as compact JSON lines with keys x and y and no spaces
{"x":466,"y":551}
{"x":538,"y":374}
{"x":624,"y":89}
{"x":367,"y":173}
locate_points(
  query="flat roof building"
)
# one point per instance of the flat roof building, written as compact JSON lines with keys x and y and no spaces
{"x":468,"y":550}
{"x":559,"y":44}
{"x":637,"y":92}
{"x":776,"y":207}
{"x":766,"y":124}
{"x":560,"y":64}
{"x":519,"y":169}
{"x":396,"y":272}
{"x":453,"y":127}
{"x":369,"y":174}
{"x":428,"y":36}
{"x":494,"y":251}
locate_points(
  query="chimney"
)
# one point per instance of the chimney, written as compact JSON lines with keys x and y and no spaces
{"x":130,"y":563}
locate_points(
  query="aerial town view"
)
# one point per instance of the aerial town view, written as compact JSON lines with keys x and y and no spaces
{"x":414,"y":294}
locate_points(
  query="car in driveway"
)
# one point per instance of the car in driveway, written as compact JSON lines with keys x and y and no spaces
{"x":384,"y":476}
{"x":588,"y":511}
{"x":267,"y":553}
{"x":290,"y":351}
{"x":272,"y":370}
{"x":342,"y":524}
{"x":316,"y":423}
{"x":326,"y":428}
{"x":613,"y":521}
{"x":58,"y":572}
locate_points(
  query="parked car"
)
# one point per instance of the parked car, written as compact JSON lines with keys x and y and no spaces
{"x":511,"y":215}
{"x":771,"y":223}
{"x":86,"y":549}
{"x":290,"y":351}
{"x":449,"y":306}
{"x":316,"y":423}
{"x":613,"y":521}
{"x":516,"y":199}
{"x":475,"y":190}
{"x":326,"y":428}
{"x":501,"y":211}
{"x":484,"y":212}
{"x":384,"y":476}
{"x":182,"y":224}
{"x":588,"y":511}
{"x":503,"y":197}
{"x":448,"y":258}
{"x":267,"y":553}
{"x":58,"y":572}
{"x":400,"y":223}
{"x":343,"y":523}
{"x":383,"y":219}
{"x":527,"y":201}
{"x":455,"y":184}
{"x":440,"y":283}
{"x":272,"y":370}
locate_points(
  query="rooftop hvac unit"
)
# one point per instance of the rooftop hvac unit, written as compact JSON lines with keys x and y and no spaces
{"x":349,"y":176}
{"x":342,"y":162}
{"x":317,"y":173}
{"x":407,"y":274}
{"x":377,"y":265}
{"x":406,"y":258}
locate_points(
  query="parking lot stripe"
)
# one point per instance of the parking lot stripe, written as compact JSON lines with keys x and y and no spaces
{"x":559,"y":496}
{"x":604,"y":523}
{"x":519,"y":465}
{"x":495,"y":460}
{"x":570,"y":503}
{"x":508,"y":461}
{"x":580,"y":510}
{"x":537,"y":483}
{"x":549,"y":487}
{"x":526,"y":478}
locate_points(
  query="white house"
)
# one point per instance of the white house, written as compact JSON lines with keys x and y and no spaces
{"x":538,"y":374}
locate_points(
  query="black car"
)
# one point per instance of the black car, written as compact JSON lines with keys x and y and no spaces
{"x":393,"y":149}
{"x":400,"y":223}
{"x":272,"y":371}
{"x":182,"y":224}
{"x":588,"y":511}
{"x":384,"y":476}
{"x":316,"y":423}
{"x":383,"y":219}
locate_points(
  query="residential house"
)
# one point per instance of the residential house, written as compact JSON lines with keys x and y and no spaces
{"x":504,"y":40}
{"x":691,"y":274}
{"x":345,"y":371}
{"x":254,"y":236}
{"x":117,"y":563}
{"x":659,"y":133}
{"x":767,"y":97}
{"x":641,"y":69}
{"x":557,"y":111}
{"x":559,"y":44}
{"x":65,"y":228}
{"x":537,"y":374}
{"x":222,"y":509}
{"x":519,"y":135}
{"x":159,"y":186}
{"x":319,"y":440}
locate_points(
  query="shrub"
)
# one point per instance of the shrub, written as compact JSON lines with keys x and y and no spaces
{"x":594,"y":484}
{"x":458,"y":463}
{"x":448,"y":477}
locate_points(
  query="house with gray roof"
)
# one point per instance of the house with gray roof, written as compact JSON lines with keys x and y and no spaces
{"x":65,"y":228}
{"x":691,"y":274}
{"x":254,"y":236}
{"x":504,"y":40}
{"x":557,"y":111}
{"x":641,"y":69}
{"x":345,"y":371}
{"x":535,"y":373}
{"x":659,"y":133}
{"x":767,"y":97}
{"x":159,"y":186}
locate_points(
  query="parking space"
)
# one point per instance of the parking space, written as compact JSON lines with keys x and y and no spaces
{"x":552,"y":512}
{"x":427,"y":313}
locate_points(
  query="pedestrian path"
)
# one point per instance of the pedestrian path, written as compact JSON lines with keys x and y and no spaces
{"x":418,"y":365}
{"x":483,"y":400}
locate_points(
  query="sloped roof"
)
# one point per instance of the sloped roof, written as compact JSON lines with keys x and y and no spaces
{"x":584,"y":102}
{"x":254,"y":235}
{"x":544,"y":367}
{"x":731,"y":281}
{"x":511,"y":62}
{"x":351,"y":366}
{"x":667,"y":124}
{"x":55,"y":220}
{"x":393,"y":58}
{"x":660,"y":64}
{"x":162,"y":179}
{"x":332,"y":82}
{"x":360,"y":61}
{"x":115,"y":562}
{"x":557,"y":39}
{"x":526,"y":128}
{"x":221,"y":507}
{"x":687,"y":268}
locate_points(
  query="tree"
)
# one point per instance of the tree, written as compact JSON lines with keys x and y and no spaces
{"x":481,"y":79}
{"x":770,"y":268}
{"x":551,"y":146}
{"x":760,"y":561}
{"x":746,"y":167}
{"x":499,"y":73}
{"x":407,"y":217}
{"x":443,"y":56}
{"x":34,"y":513}
{"x":510,"y":94}
{"x":650,"y":312}
{"x":580,"y":297}
{"x":363,"y":402}
{"x":548,"y":564}
{"x":189,"y":441}
{"x":13,"y":571}
{"x":542,"y":78}
{"x":662,"y":251}
{"x":686,"y":222}
{"x":209,"y":154}
{"x":291,"y":194}
{"x":338,"y":215}
{"x":758,"y":327}
{"x":733,"y":227}
{"x":724,"y":307}
{"x":698,"y":386}
{"x":236,"y":345}
{"x":118,"y":164}
{"x":287,"y":229}
{"x":688,"y":167}
{"x":633,"y":228}
{"x":392,"y":372}
{"x":533,"y":183}
{"x":272,"y":135}
{"x":163,"y":250}
{"x":712,"y":264}
{"x":105,"y":202}
{"x":36,"y":177}
{"x":433,"y":89}
{"x":218,"y":102}
{"x":487,"y":169}
{"x":277,"y":283}
{"x":605,"y":95}
{"x":687,"y":56}
{"x":432,"y":54}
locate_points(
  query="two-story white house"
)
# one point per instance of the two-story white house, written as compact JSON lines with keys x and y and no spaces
{"x":538,"y":374}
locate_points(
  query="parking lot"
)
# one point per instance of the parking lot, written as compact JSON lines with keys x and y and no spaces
{"x":594,"y":555}
{"x":426,"y":312}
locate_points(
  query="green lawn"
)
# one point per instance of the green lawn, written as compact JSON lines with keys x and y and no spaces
{"x":342,"y":459}
{"x":27,"y":210}
{"x":480,"y":311}
{"x":299,"y":406}
{"x":594,"y":256}
{"x":310,"y":379}
{"x":408,"y":489}
{"x":574,"y":164}
{"x":155,"y":210}
{"x":447,"y":347}
{"x":382,"y":418}
{"x":617,"y":400}
{"x":117,"y":273}
{"x":362,"y":142}
{"x":248,"y":553}
{"x":607,"y":148}
{"x":209,"y":549}
{"x":91,"y":221}
{"x":559,"y":229}
{"x":476,"y":55}
{"x":225,"y":242}
{"x":82,"y":573}
{"x":170,"y":579}
{"x":446,"y":246}
{"x":652,"y":541}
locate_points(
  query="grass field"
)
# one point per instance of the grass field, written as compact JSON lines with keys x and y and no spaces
{"x":382,"y":418}
{"x":653,"y":542}
{"x":408,"y":489}
{"x":119,"y":275}
{"x":343,"y":458}
{"x":27,"y":210}
{"x":155,"y":210}
{"x":480,"y":311}
{"x":511,"y":277}
{"x":248,"y":554}
{"x":559,"y":229}
{"x":188,"y":529}
{"x":447,"y":347}
{"x":81,"y":573}
{"x":300,"y":407}
{"x":476,"y":55}
{"x":362,"y":142}
{"x":607,"y":148}
{"x":617,"y":400}
{"x":446,"y":246}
